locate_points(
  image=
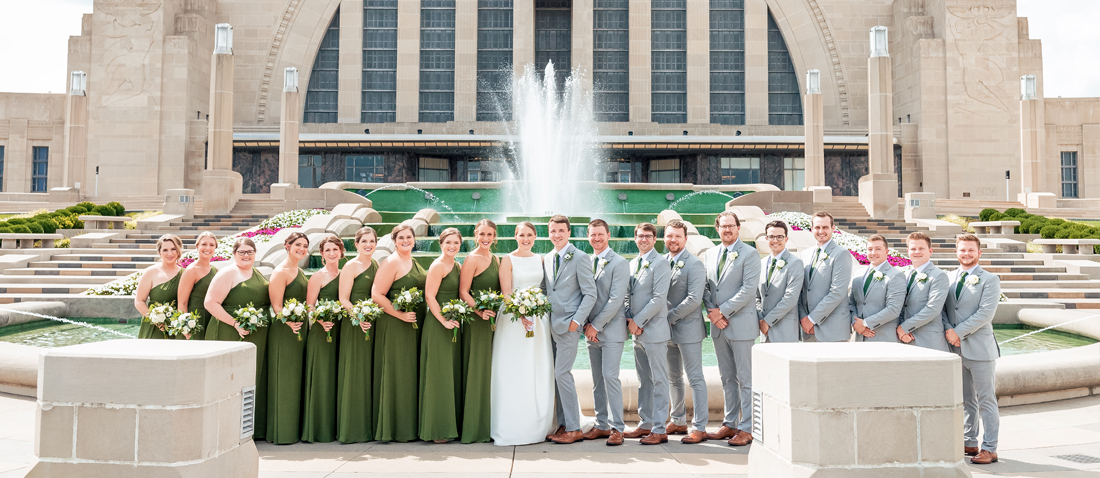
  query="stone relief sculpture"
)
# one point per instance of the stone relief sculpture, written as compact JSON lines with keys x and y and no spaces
{"x":131,"y":35}
{"x":978,"y":38}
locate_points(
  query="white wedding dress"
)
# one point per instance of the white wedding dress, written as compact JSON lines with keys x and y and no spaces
{"x":522,"y":390}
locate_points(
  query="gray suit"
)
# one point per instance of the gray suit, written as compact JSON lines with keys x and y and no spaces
{"x":778,"y":300}
{"x":922,"y":314}
{"x":824,"y":292}
{"x":971,"y":315}
{"x":732,"y":291}
{"x":685,"y":351}
{"x":608,"y":317}
{"x":880,"y":306}
{"x":572,"y":295}
{"x":647,"y":305}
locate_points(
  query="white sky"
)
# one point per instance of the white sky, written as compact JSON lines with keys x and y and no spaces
{"x":34,"y":38}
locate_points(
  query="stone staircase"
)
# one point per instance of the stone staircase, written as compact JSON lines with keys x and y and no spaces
{"x":74,"y":270}
{"x":258,"y":204}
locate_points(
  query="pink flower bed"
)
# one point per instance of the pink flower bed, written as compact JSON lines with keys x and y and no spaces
{"x":186,"y":261}
{"x":260,"y":232}
{"x":894,"y":261}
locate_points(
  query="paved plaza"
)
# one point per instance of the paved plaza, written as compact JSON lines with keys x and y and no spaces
{"x":1033,"y":437}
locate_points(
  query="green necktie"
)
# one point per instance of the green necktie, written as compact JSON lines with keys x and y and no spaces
{"x":672,"y":263}
{"x":595,"y":264}
{"x":722,"y":262}
{"x":959,"y":286}
{"x":772,"y":268}
{"x":867,"y":281}
{"x":912,"y":275}
{"x":557,"y":265}
{"x":813,"y":263}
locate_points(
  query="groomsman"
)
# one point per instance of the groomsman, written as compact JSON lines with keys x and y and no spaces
{"x":647,"y":320}
{"x":733,"y":272}
{"x":877,"y":296}
{"x":825,"y":288}
{"x":926,"y":291}
{"x":572,"y":291}
{"x":780,"y":287}
{"x":606,"y":333}
{"x":685,"y":318}
{"x":971,"y":304}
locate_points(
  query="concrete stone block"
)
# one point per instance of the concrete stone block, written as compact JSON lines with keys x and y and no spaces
{"x":920,"y":206}
{"x":318,"y":223}
{"x":821,"y":194}
{"x":92,"y":238}
{"x":419,"y":226}
{"x":698,"y":245}
{"x":666,"y":216}
{"x":829,"y":435}
{"x":169,"y":436}
{"x":347,"y":210}
{"x":887,"y":436}
{"x":367,"y":215}
{"x":179,"y":202}
{"x":345,"y":227}
{"x":228,"y":436}
{"x":428,"y":215}
{"x":745,"y":213}
{"x":55,"y":437}
{"x":752,"y":229}
{"x":315,"y":240}
{"x":385,"y":244}
{"x":797,"y":241}
{"x":938,"y":440}
{"x":105,"y":434}
{"x":878,"y":193}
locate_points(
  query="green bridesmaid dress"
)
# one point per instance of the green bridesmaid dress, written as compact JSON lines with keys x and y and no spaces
{"x":354,"y":401}
{"x":285,"y":353}
{"x":440,"y":370}
{"x":396,"y":367}
{"x":319,"y":401}
{"x":196,"y":306}
{"x":254,"y":291}
{"x":477,"y":362}
{"x":162,"y":293}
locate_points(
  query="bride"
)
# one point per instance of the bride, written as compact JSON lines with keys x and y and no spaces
{"x":522,"y":389}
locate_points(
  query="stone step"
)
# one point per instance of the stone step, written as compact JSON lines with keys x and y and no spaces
{"x":1053,"y":294}
{"x":50,"y":279}
{"x":1081,"y":282}
{"x":1016,"y":270}
{"x":44,"y":289}
{"x":106,"y":257}
{"x":141,"y":247}
{"x":132,"y":266}
{"x":992,"y":262}
{"x":69,"y":272}
{"x":1093,"y":304}
{"x":1050,"y":278}
{"x":985,"y":255}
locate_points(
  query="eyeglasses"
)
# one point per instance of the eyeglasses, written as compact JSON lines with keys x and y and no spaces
{"x":246,"y":253}
{"x":775,"y":238}
{"x":644,"y":237}
{"x":728,"y":226}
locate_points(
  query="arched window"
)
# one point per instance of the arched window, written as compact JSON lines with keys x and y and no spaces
{"x":784,"y":98}
{"x":322,"y":95}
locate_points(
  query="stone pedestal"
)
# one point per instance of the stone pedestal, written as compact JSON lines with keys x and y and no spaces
{"x":76,"y":150}
{"x":1032,"y":177}
{"x":1038,"y":200}
{"x":62,"y":197}
{"x":815,"y":141}
{"x":221,"y":189}
{"x":288,"y":138}
{"x":145,"y":408}
{"x":920,"y":206}
{"x":854,"y":410}
{"x":878,"y":193}
{"x":821,"y":193}
{"x":180,"y":201}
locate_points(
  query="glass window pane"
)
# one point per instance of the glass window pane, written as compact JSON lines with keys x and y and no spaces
{"x":321,"y":93}
{"x":784,"y":98}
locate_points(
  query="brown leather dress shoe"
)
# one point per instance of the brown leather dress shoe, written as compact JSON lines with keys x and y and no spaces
{"x":560,"y":430}
{"x":568,"y":437}
{"x":697,"y":436}
{"x":636,"y":433}
{"x":674,"y":429}
{"x":595,"y":433}
{"x":970,"y":450}
{"x":984,"y":457}
{"x":741,"y":439}
{"x":654,"y":439}
{"x":723,"y":433}
{"x":616,"y":438}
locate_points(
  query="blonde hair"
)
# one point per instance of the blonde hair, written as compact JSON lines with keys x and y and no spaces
{"x":205,"y":234}
{"x":364,"y":231}
{"x":174,"y":240}
{"x":448,"y":232}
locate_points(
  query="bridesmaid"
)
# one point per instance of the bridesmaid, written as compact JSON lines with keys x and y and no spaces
{"x":319,"y":402}
{"x":354,"y":401}
{"x":440,"y":358}
{"x":395,"y":353}
{"x":480,"y":272}
{"x":195,"y":281}
{"x":233,"y":287}
{"x":159,"y":284}
{"x":285,"y":348}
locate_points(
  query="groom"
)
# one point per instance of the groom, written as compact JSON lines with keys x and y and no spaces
{"x":571,"y":288}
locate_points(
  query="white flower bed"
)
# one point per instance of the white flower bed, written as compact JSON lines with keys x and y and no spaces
{"x":125,"y":286}
{"x":290,"y":218}
{"x":852,"y":242}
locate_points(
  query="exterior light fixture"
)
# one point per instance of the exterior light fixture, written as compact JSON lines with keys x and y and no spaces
{"x":813,"y":82}
{"x":290,"y":80}
{"x":880,"y":42}
{"x":1029,"y":88}
{"x":223,"y":39}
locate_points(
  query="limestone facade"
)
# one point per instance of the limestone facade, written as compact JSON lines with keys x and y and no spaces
{"x":955,"y":67}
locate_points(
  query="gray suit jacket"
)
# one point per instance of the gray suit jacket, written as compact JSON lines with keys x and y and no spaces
{"x":825,"y":292}
{"x":573,"y":293}
{"x":609,"y":314}
{"x":778,"y":301}
{"x":922,"y":314}
{"x":685,"y":299}
{"x":733,"y":291}
{"x":880,"y":306}
{"x":971,"y":314}
{"x":647,"y":302}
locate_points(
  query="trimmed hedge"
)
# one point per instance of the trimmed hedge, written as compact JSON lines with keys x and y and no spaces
{"x":103,"y":211}
{"x":120,"y":210}
{"x":986,"y":213}
{"x":35,"y":228}
{"x":20,"y":229}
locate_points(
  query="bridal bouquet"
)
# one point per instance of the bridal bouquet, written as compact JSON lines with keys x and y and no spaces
{"x":160,"y":314}
{"x":408,"y":300}
{"x":490,"y":300}
{"x":250,"y":319}
{"x":364,"y":311}
{"x":293,"y":311}
{"x":459,"y":311}
{"x":326,"y":311}
{"x":527,"y":302}
{"x":185,"y":324}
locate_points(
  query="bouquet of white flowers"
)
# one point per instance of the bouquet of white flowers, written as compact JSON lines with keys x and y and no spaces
{"x":459,"y":311}
{"x":326,"y":311}
{"x":185,"y":324}
{"x":490,"y":300}
{"x":527,"y":302}
{"x":250,"y":319}
{"x":364,"y":311}
{"x":293,"y":311}
{"x":408,"y":300}
{"x":160,"y":314}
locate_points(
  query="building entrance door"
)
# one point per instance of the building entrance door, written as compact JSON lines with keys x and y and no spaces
{"x":309,"y":170}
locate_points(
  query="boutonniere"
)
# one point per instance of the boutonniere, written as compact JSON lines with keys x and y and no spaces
{"x":972,"y":280}
{"x":603,"y":263}
{"x":680,"y":264}
{"x":567,"y":257}
{"x":879,"y":275}
{"x":733,"y":256}
{"x":922,"y":277}
{"x":779,"y":264}
{"x":822,"y":258}
{"x":645,"y":265}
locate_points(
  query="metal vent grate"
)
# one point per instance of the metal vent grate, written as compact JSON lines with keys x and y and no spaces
{"x":1078,"y":458}
{"x":248,"y":411}
{"x":758,"y":417}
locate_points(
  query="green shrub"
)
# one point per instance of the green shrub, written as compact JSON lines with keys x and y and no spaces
{"x":63,"y":221}
{"x":20,"y":229}
{"x":103,"y":211}
{"x":1077,"y":235}
{"x":1049,"y":231}
{"x":77,"y":224}
{"x":986,"y":213}
{"x":999,"y":216}
{"x":118,"y":207}
{"x":5,"y":230}
{"x":48,"y":225}
{"x":35,"y":227}
{"x":64,"y":243}
{"x":88,"y":205}
{"x":76,"y":209}
{"x":1064,"y":233}
{"x":17,"y":220}
{"x":1056,"y":221}
{"x":1036,"y":227}
{"x":1014,"y":212}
